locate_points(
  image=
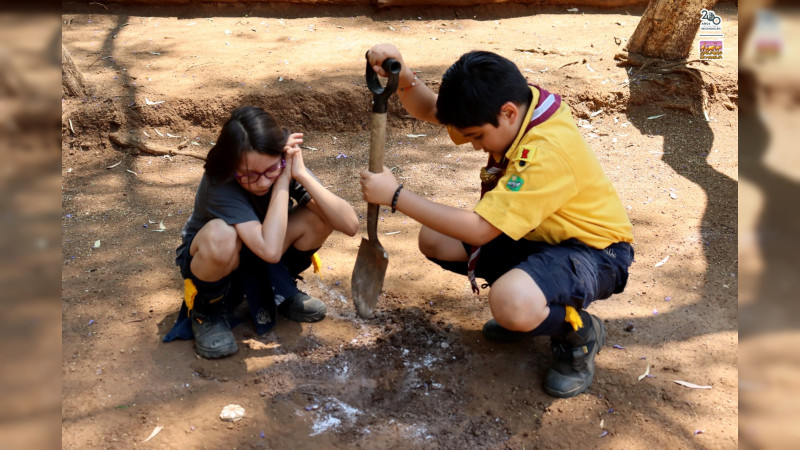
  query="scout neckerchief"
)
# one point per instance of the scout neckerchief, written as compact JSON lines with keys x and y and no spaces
{"x":546,"y":106}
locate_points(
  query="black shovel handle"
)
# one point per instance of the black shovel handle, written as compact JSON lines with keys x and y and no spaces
{"x":381,"y":94}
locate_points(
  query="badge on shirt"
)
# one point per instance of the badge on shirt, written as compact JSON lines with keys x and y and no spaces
{"x":524,"y":158}
{"x":514,"y":183}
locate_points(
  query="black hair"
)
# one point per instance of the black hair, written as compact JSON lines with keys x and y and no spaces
{"x":248,"y":129}
{"x":476,"y":86}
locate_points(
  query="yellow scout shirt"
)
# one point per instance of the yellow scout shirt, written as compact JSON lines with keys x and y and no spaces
{"x":554,"y":188}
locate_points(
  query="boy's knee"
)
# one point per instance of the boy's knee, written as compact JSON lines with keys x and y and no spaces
{"x":426,"y":245}
{"x":515,"y":304}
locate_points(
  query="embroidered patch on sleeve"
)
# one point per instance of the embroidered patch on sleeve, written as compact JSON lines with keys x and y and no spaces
{"x":514,"y":183}
{"x":525,"y":156}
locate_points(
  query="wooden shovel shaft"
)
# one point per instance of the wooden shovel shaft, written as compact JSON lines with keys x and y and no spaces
{"x":377,"y":140}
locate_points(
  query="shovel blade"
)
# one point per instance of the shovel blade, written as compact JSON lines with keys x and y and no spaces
{"x":368,"y":275}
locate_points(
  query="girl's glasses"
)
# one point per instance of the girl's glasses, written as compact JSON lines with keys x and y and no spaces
{"x":271,"y":173}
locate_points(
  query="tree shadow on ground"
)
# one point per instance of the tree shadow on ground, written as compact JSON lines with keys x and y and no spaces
{"x":674,"y":107}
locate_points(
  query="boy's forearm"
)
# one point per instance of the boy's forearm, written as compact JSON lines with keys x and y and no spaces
{"x":416,"y":97}
{"x":464,"y":225}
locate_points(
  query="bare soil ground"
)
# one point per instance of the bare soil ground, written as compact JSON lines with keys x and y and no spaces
{"x":419,"y":373}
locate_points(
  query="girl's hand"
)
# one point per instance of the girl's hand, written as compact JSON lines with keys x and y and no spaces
{"x":378,"y":188}
{"x":297,"y":169}
{"x":286,"y":175}
{"x":294,"y":140}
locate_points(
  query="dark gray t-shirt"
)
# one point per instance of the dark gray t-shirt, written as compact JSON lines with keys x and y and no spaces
{"x":230,"y":202}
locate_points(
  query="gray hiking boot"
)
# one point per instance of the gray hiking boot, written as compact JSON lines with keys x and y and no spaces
{"x":493,"y":331}
{"x":301,"y":307}
{"x":573,"y":369}
{"x":213,"y":337}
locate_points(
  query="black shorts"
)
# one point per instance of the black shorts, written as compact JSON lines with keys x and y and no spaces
{"x":183,"y":259}
{"x":570,"y":273}
{"x":296,"y":261}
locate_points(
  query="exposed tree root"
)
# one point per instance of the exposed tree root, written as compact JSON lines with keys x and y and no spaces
{"x":124,"y":139}
{"x":660,"y":67}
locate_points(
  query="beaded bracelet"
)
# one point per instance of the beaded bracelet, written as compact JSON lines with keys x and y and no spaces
{"x":394,"y":199}
{"x":413,"y":83}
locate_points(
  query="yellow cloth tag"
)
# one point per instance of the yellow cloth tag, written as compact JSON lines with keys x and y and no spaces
{"x":189,"y":293}
{"x":317,"y":263}
{"x":573,"y":317}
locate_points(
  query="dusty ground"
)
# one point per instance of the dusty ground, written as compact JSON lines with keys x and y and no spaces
{"x":418,"y":374}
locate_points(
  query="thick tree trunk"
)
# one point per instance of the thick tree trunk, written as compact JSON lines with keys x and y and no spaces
{"x":668,"y":28}
{"x":72,"y":82}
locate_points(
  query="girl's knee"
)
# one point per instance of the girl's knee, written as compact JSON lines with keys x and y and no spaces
{"x":320,"y":228}
{"x":223,"y":243}
{"x":308,"y":231}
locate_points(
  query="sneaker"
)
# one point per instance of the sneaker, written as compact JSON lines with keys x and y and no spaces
{"x":573,"y":369}
{"x":493,"y":331}
{"x":213,"y":337}
{"x":301,"y":307}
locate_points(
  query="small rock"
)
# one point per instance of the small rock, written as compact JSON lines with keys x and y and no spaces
{"x":232,"y":413}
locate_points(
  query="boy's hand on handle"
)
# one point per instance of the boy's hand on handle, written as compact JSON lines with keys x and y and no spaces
{"x":379,"y":53}
{"x":378,"y":188}
{"x":415,"y":97}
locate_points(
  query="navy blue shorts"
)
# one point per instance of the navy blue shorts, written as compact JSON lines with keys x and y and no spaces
{"x":570,"y":273}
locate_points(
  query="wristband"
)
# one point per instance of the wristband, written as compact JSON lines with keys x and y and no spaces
{"x":394,"y":199}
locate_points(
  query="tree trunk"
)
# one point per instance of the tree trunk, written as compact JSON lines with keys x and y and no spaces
{"x":72,"y":82}
{"x":667,"y":28}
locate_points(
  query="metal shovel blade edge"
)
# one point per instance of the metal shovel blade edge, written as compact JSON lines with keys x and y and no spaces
{"x":368,"y":275}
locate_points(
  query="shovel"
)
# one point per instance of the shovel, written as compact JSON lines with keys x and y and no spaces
{"x":371,"y":262}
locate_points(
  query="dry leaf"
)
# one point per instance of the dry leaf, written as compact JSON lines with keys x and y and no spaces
{"x":646,"y":373}
{"x":156,"y":430}
{"x":691,"y":385}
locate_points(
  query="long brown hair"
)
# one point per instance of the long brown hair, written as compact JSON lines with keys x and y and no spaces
{"x":249,"y":128}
